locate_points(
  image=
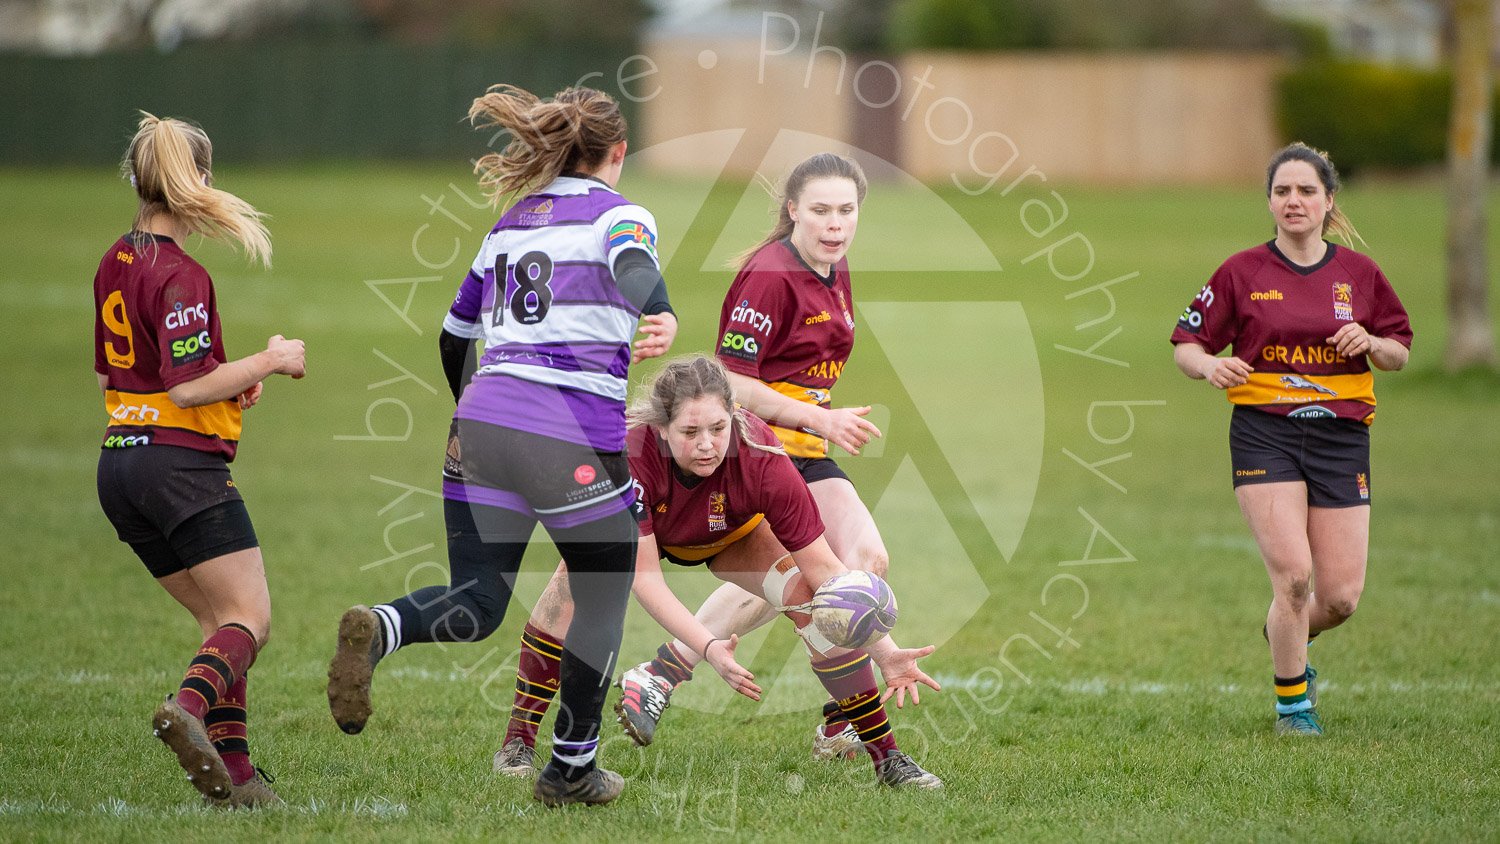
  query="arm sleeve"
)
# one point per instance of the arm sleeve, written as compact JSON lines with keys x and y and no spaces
{"x":625,"y":228}
{"x":789,"y":504}
{"x":463,"y":318}
{"x":457,"y":354}
{"x":1209,"y":319}
{"x":185,"y":327}
{"x":1388,"y":316}
{"x":641,"y":283}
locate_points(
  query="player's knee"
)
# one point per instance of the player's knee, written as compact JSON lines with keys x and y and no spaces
{"x":1341,"y":606}
{"x":872,"y":559}
{"x":1295,"y":593}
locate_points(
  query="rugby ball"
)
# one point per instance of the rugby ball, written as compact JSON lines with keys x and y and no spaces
{"x":853,"y":609}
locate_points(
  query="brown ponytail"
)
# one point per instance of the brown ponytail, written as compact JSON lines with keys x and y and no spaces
{"x":821,"y":166}
{"x":170,"y":165}
{"x":572,"y":131}
{"x":1336,"y":221}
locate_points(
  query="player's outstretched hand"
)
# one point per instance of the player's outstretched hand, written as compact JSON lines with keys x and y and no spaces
{"x":847,"y":427}
{"x":250,"y":396}
{"x":899,"y":668}
{"x":720,"y":655}
{"x":660,"y":330}
{"x":289,"y":356}
{"x":1227,"y":372}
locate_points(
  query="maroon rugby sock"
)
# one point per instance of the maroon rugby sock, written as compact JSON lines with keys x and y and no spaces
{"x":851,"y":681}
{"x":229,"y":733}
{"x":224,"y":657}
{"x":537,"y":681}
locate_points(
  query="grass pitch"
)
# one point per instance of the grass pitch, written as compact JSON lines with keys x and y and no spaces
{"x":1098,"y":627}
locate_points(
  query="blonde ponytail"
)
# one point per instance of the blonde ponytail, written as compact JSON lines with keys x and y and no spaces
{"x":572,"y":131}
{"x":170,"y":164}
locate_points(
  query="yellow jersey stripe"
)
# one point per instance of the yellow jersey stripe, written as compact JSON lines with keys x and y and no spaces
{"x":694,"y":553}
{"x":1286,"y":388}
{"x":220,"y":419}
{"x":796,"y":442}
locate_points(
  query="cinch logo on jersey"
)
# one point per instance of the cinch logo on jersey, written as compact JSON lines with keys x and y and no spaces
{"x":753,"y":318}
{"x":716,"y":512}
{"x":182,"y":317}
{"x":1343,"y":301}
{"x":135,"y":413}
{"x":739,"y":345}
{"x":1192,"y":316}
{"x":632,"y":232}
{"x":191,"y":348}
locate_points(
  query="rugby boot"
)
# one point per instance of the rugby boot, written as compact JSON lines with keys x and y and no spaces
{"x":594,"y":788}
{"x":254,"y":793}
{"x":352,"y":668}
{"x":1304,"y":723}
{"x":188,"y":739}
{"x":643,"y":698}
{"x":844,"y":744}
{"x":901,"y":771}
{"x":516,"y":759}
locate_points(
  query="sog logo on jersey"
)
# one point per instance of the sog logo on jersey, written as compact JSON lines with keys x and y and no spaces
{"x":629,"y":232}
{"x":1343,"y":301}
{"x":1192,"y":316}
{"x":740,"y":346}
{"x":191,"y":348}
{"x":755,"y":319}
{"x":182,"y":317}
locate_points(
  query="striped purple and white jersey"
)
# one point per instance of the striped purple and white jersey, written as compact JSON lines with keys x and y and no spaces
{"x":555,"y":326}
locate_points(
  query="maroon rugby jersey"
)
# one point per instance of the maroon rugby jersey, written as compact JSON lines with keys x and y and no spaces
{"x":1278,"y":316}
{"x":156,"y":325}
{"x":695,"y":518}
{"x":790,"y":328}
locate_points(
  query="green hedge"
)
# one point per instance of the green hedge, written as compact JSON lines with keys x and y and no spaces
{"x":1369,"y":116}
{"x":281,"y":101}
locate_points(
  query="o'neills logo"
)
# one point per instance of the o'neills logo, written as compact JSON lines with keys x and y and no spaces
{"x":1269,"y":295}
{"x":814,"y":320}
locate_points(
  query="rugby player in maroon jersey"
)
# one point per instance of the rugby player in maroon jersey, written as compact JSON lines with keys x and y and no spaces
{"x":174,"y":400}
{"x":786,"y":329}
{"x":714,"y":487}
{"x":1306,"y":320}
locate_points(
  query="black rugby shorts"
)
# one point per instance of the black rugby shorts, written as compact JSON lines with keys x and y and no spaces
{"x":1332,"y":456}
